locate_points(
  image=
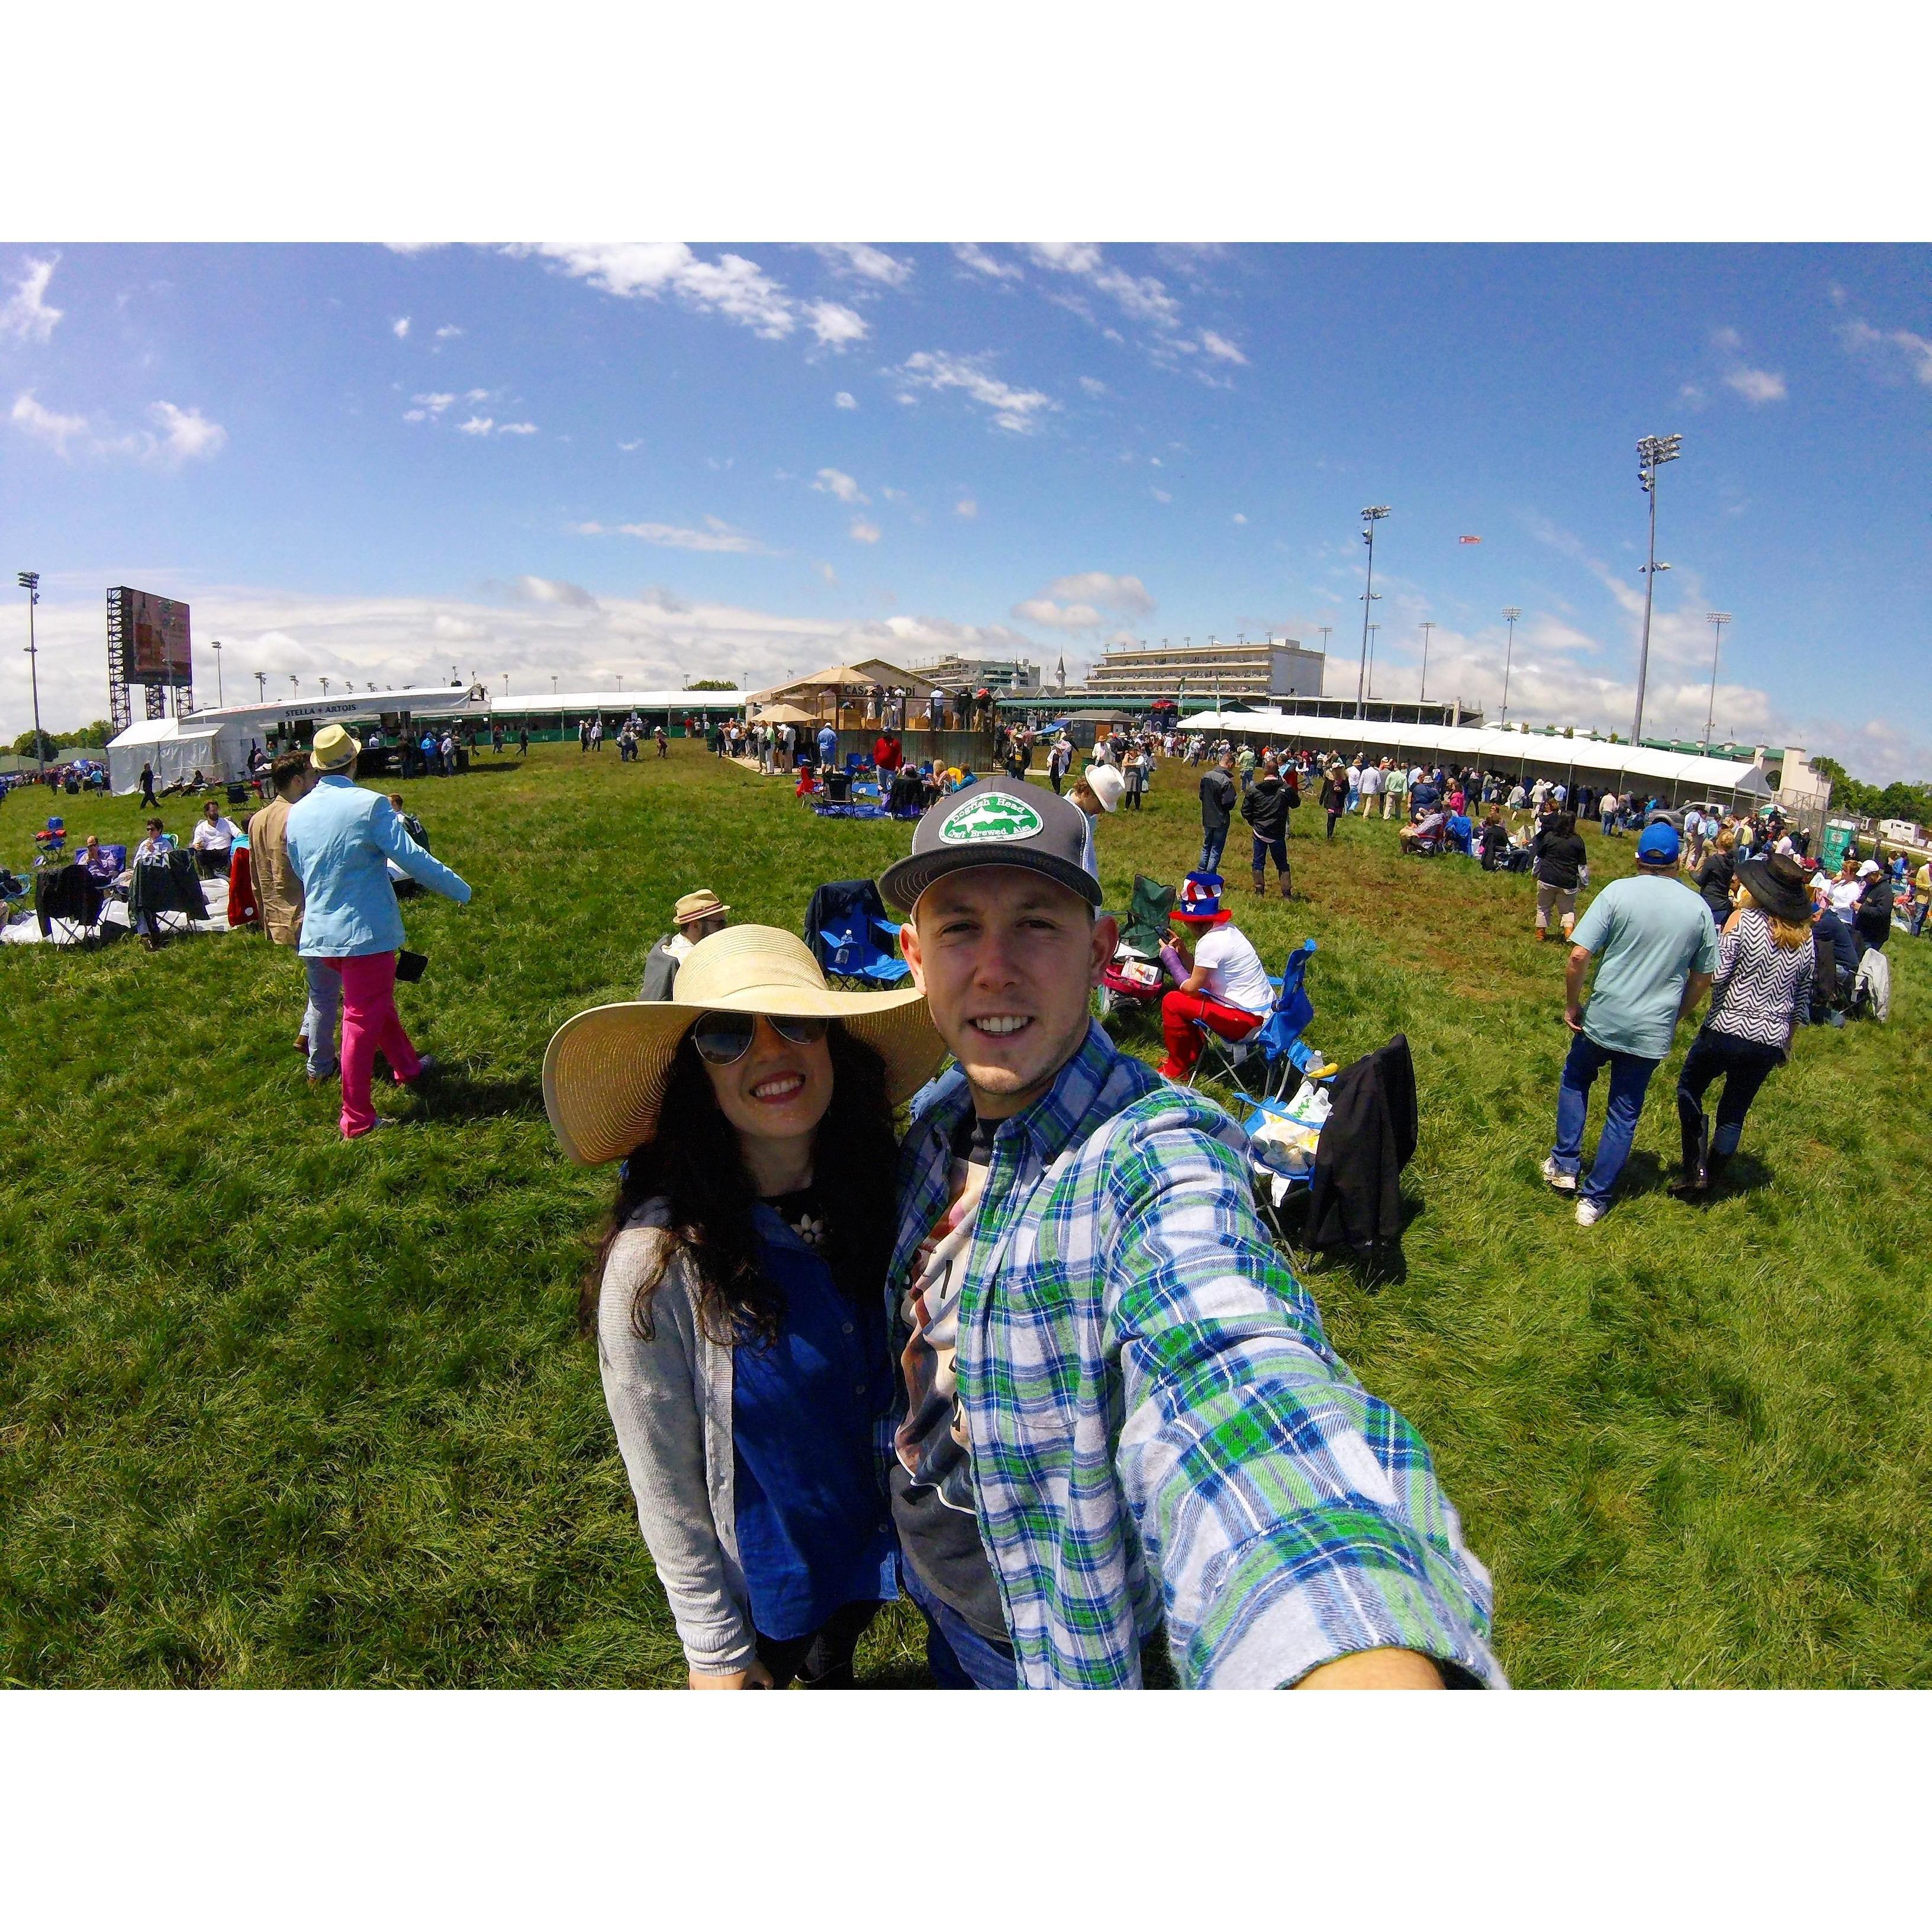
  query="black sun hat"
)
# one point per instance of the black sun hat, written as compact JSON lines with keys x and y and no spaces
{"x":994,"y":822}
{"x":1778,"y":884}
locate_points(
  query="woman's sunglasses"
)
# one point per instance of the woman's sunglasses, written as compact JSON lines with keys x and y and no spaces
{"x":722,"y":1039}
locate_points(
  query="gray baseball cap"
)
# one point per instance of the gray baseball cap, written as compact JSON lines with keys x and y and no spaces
{"x":994,"y":822}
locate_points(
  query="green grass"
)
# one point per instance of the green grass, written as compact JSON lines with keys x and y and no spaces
{"x":277,"y":1410}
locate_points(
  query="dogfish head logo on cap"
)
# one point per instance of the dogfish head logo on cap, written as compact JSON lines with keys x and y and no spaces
{"x":993,"y":814}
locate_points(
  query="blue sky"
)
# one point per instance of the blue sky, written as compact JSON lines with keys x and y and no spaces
{"x":662,"y":461}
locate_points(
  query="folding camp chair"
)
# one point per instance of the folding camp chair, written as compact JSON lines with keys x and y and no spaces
{"x":50,"y":843}
{"x":1277,"y":1044}
{"x":1143,"y":932}
{"x":851,"y":937}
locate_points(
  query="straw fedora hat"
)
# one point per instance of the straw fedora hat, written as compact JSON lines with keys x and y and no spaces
{"x":334,"y":749}
{"x":606,"y":1070}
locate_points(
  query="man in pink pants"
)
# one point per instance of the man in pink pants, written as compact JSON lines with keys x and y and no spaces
{"x":340,"y":840}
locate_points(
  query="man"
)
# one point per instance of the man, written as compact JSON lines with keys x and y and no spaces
{"x":662,"y":739}
{"x":1266,"y":808}
{"x":1834,"y":965}
{"x":1245,"y":763}
{"x":148,"y":786}
{"x":1374,"y":777}
{"x":1217,"y":811}
{"x":213,"y":841}
{"x":1659,"y":953}
{"x":278,"y":892}
{"x":1395,"y":790}
{"x":340,"y":839}
{"x":1118,"y":1409}
{"x":1058,"y":759}
{"x":1355,"y":782}
{"x":1098,"y":789}
{"x":697,"y":915}
{"x":828,"y":747}
{"x":1871,"y":923}
{"x":888,"y":755}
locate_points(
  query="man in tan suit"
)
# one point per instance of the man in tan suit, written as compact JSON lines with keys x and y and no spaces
{"x":279,"y":893}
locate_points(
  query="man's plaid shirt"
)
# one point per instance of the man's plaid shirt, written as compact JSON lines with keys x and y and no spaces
{"x":1159,"y":1430}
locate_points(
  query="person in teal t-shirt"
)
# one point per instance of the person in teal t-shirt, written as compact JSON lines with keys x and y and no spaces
{"x":1657,"y":951}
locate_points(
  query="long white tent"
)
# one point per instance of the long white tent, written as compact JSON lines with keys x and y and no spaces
{"x":216,"y":742}
{"x":1684,"y":777}
{"x":619,"y":703}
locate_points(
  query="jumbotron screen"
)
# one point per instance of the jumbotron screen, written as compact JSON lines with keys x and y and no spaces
{"x":155,"y":647}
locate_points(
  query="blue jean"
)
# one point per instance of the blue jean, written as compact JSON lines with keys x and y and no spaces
{"x":1212,"y":844}
{"x":324,"y":1001}
{"x":960,"y":1658}
{"x":1630,"y":1075}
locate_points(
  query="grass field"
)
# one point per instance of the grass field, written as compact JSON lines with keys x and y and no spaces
{"x":278,"y":1410}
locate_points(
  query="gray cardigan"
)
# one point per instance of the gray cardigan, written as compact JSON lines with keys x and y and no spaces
{"x":670,"y":1399}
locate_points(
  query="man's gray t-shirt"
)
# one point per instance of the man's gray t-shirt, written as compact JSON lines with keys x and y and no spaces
{"x":1650,"y":934}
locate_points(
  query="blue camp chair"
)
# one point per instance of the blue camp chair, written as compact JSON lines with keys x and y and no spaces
{"x":1277,"y":1045}
{"x":851,"y":937}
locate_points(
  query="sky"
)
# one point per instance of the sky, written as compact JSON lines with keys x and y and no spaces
{"x":663,"y":461}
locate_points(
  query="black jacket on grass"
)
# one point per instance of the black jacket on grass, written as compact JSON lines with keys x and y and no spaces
{"x":1355,"y":1199}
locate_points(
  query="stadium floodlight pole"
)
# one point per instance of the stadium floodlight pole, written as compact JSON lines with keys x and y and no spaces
{"x":29,"y":581}
{"x":1716,"y":620}
{"x":325,"y":687}
{"x":261,"y":687}
{"x":1511,"y":613}
{"x":1372,"y":629}
{"x":1652,"y":453}
{"x":1428,"y":625}
{"x":1372,"y":516}
{"x":216,"y":648}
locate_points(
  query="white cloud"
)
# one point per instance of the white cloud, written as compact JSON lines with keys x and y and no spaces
{"x":1727,"y":339}
{"x":845,"y":400}
{"x":830,"y":575}
{"x":551,"y":590}
{"x":1221,"y":348}
{"x":863,"y":531}
{"x":516,"y":429}
{"x":966,"y":507}
{"x":1892,"y":352}
{"x":400,"y":328}
{"x":1239,"y":518}
{"x":1112,"y":593}
{"x":432,"y":403}
{"x":179,"y":436}
{"x":25,"y":315}
{"x":976,"y":259}
{"x":717,"y":536}
{"x":1093,"y":385}
{"x":1756,"y":385}
{"x":449,"y":332}
{"x":860,"y":258}
{"x":1058,"y":616}
{"x":628,"y":447}
{"x":1161,"y":495}
{"x":1143,"y":298}
{"x":476,"y":426}
{"x":187,"y":435}
{"x":1014,"y":409}
{"x":45,"y":425}
{"x":835,"y":325}
{"x":732,"y":286}
{"x":836,"y":483}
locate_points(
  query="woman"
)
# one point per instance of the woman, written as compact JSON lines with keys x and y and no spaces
{"x":739,"y":1297}
{"x":1335,"y":795}
{"x":1717,"y":874}
{"x":1762,"y":989}
{"x":1560,"y":858}
{"x":1494,"y":838}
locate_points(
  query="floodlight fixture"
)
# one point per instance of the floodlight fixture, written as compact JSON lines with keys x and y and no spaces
{"x":1371,"y":516}
{"x":1652,"y":451}
{"x":1511,"y":614}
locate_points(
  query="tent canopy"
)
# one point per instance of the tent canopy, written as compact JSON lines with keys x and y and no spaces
{"x":781,"y":714}
{"x":1593,"y":759}
{"x":177,"y":747}
{"x":864,"y":675}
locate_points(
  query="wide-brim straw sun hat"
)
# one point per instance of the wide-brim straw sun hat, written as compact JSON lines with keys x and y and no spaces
{"x":606,"y":1070}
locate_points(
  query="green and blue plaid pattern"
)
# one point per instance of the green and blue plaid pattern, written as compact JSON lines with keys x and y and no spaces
{"x":1159,"y":1430}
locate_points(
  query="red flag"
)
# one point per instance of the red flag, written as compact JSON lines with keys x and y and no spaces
{"x":1463,"y":540}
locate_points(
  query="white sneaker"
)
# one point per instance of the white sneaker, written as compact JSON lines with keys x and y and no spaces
{"x":1589,"y":1213}
{"x":1564,"y":1183}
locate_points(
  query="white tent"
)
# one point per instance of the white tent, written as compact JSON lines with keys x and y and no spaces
{"x":177,"y":747}
{"x":1598,"y":762}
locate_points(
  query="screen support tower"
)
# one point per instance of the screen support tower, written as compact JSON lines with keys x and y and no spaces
{"x":120,"y":702}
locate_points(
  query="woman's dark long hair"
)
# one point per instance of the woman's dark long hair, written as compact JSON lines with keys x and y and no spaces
{"x":695,"y":1165}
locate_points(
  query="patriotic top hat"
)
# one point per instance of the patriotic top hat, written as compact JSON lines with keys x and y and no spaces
{"x":1200,"y":903}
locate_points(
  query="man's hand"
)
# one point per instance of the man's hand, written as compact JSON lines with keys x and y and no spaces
{"x":1573,"y":1015}
{"x":1376,"y":1670}
{"x":754,"y":1677}
{"x":1695,"y":988}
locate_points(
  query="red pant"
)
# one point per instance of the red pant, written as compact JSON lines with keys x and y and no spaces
{"x":1178,"y":1013}
{"x":370,"y":1024}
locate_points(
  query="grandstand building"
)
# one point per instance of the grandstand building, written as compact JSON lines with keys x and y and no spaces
{"x":1133,"y":675}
